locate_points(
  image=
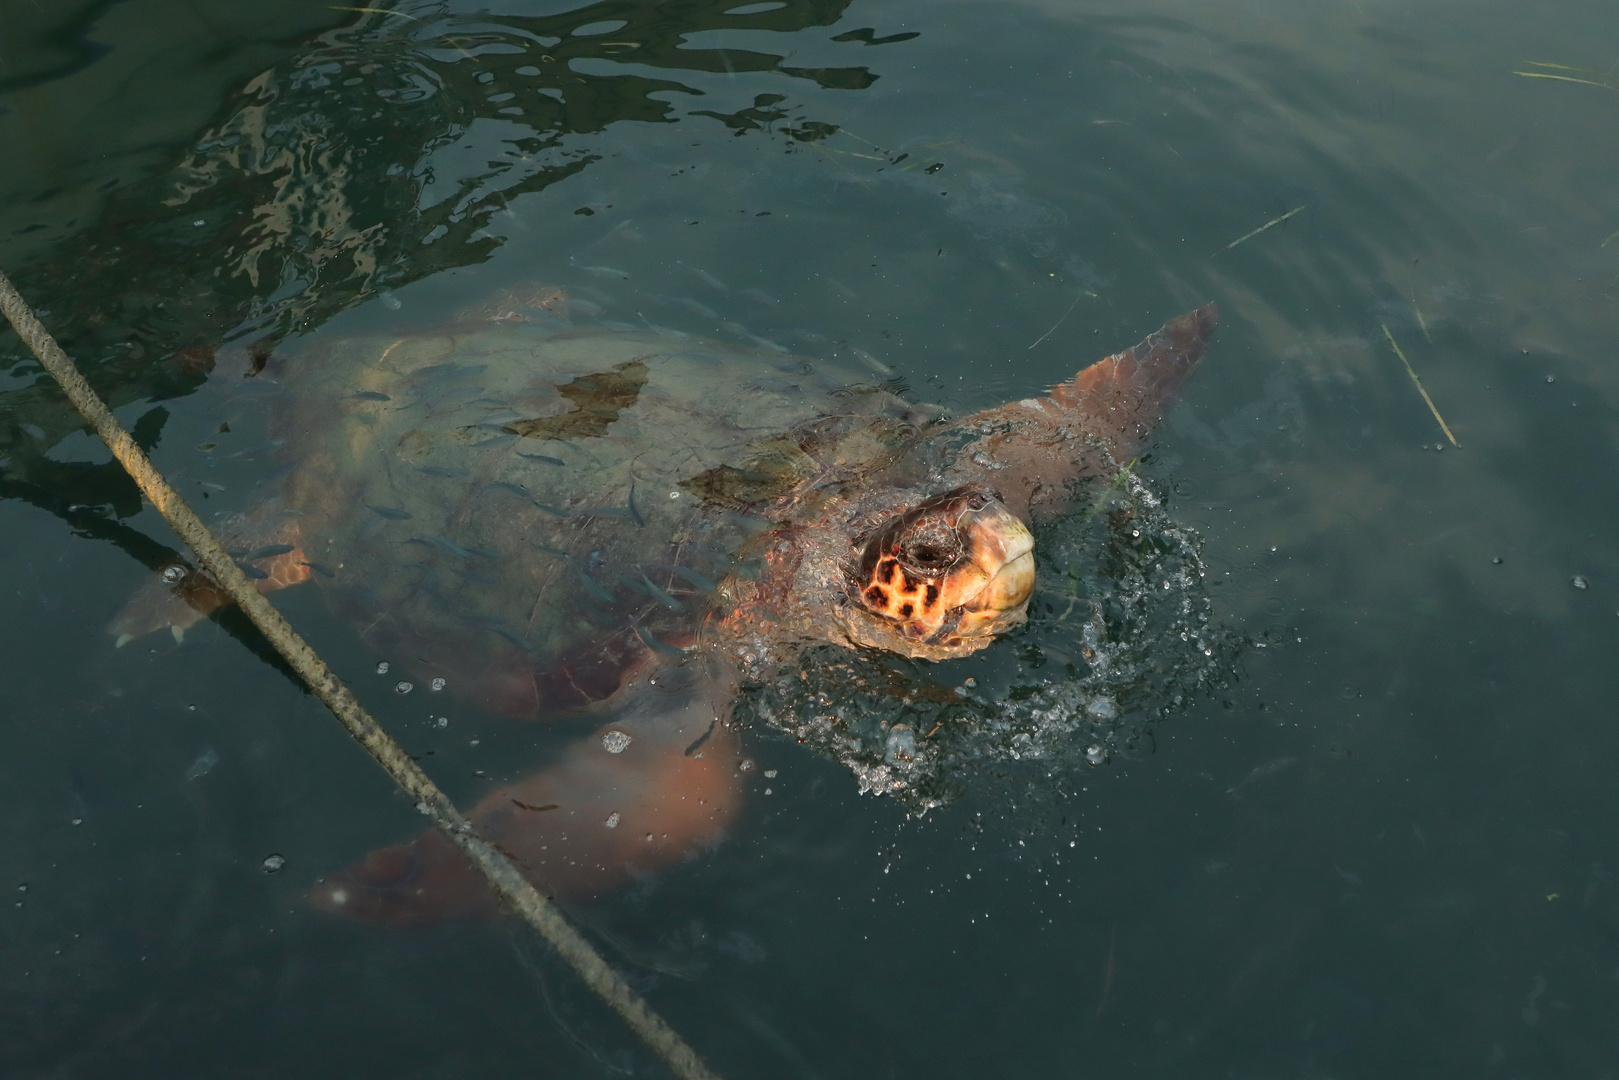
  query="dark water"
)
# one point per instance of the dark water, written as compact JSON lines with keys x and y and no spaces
{"x":1384,"y":843}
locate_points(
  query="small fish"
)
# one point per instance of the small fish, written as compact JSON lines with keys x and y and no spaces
{"x":542,"y":458}
{"x":443,"y":383}
{"x":709,"y":279}
{"x":270,"y":551}
{"x":443,"y":542}
{"x":760,"y":296}
{"x":252,"y":571}
{"x":876,"y":365}
{"x":661,"y":596}
{"x":513,"y":638}
{"x":604,"y":271}
{"x":507,"y":485}
{"x":700,"y":308}
{"x":763,"y":342}
{"x":848,"y":293}
{"x":449,"y":472}
{"x":558,"y":552}
{"x":439,"y":374}
{"x":1110,"y":969}
{"x":498,"y":440}
{"x":635,"y":514}
{"x":664,"y":331}
{"x":593,"y":588}
{"x":655,"y":645}
{"x":319,"y":569}
{"x":204,"y":764}
{"x":370,"y":395}
{"x":392,"y":513}
{"x":1260,"y":772}
{"x":699,"y":581}
{"x":536,"y":809}
{"x":554,"y":510}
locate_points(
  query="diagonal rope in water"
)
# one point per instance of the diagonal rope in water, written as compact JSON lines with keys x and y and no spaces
{"x":503,"y":876}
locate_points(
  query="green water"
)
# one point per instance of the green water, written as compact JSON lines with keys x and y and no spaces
{"x":1385,"y":845}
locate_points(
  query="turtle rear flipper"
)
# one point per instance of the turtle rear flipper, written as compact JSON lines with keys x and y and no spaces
{"x":180,"y":595}
{"x":661,"y":780}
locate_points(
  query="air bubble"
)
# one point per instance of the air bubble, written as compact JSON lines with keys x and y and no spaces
{"x":436,"y":685}
{"x":382,"y":668}
{"x":403,"y":687}
{"x":615,"y":741}
{"x":1579,"y":582}
{"x":1102,"y":708}
{"x":273,"y":863}
{"x":1095,"y":755}
{"x":612,"y":820}
{"x":442,"y":722}
{"x":901,"y":744}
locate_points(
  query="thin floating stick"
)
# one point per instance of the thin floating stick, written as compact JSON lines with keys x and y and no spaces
{"x":1059,"y":322}
{"x":1262,"y":228}
{"x":1605,"y":85}
{"x":373,"y":11}
{"x":1611,"y":238}
{"x":1411,"y":371}
{"x":502,"y":875}
{"x":1420,"y":320}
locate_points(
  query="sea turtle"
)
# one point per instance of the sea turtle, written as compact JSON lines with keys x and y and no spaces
{"x":628,"y":525}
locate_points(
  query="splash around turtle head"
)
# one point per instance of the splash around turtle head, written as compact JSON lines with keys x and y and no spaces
{"x":941,"y":579}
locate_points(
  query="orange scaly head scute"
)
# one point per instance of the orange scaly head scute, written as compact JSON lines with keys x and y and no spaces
{"x":943,"y":578}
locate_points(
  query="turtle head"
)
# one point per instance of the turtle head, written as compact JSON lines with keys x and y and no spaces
{"x":941,"y":579}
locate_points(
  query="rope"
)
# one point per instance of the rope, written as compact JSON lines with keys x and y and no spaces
{"x":503,"y":876}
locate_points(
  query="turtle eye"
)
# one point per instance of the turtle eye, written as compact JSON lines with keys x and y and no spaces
{"x":929,"y":557}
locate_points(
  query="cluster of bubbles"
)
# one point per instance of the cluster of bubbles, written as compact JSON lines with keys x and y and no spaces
{"x":1121,"y":634}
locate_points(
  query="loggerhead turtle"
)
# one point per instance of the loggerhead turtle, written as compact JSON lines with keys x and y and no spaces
{"x":627,"y":527}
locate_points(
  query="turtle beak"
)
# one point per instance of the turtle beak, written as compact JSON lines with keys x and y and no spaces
{"x":1002,"y":550}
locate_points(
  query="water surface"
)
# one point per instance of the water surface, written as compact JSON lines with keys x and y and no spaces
{"x":1382,"y":842}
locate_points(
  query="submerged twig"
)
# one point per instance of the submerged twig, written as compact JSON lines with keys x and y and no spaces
{"x":1262,"y":228}
{"x":501,"y":873}
{"x":1411,"y":371}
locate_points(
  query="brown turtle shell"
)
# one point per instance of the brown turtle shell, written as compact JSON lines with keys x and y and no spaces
{"x":530,"y":512}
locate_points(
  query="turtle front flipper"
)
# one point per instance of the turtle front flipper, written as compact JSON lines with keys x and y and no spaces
{"x":180,"y":595}
{"x":1032,"y":451}
{"x":643,"y":793}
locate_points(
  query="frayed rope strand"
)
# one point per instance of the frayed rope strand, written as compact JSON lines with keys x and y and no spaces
{"x":502,"y":875}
